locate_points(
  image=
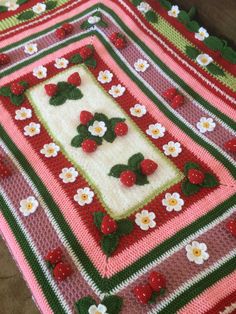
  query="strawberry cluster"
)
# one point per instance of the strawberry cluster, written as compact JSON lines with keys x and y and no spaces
{"x":118,"y":40}
{"x":148,"y":293}
{"x":111,"y":231}
{"x":62,"y":91}
{"x":135,"y":172}
{"x":4,"y":170}
{"x":88,"y":142}
{"x":4,"y":59}
{"x":61,"y":270}
{"x":176,"y":99}
{"x":196,"y":179}
{"x":231,"y":145}
{"x":85,"y":55}
{"x":15,"y":92}
{"x":65,"y":30}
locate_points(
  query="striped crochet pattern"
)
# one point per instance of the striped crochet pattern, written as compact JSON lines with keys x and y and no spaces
{"x":117,"y":157}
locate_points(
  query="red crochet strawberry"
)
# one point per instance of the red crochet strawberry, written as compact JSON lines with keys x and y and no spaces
{"x":177,"y":101}
{"x":4,"y":59}
{"x":170,"y":93}
{"x":86,"y":52}
{"x":89,"y":146}
{"x":157,"y":281}
{"x":4,"y":171}
{"x":60,"y":33}
{"x":108,"y":225}
{"x":74,"y":79}
{"x":128,"y":178}
{"x":121,"y":129}
{"x":61,"y":271}
{"x":231,"y":145}
{"x":120,"y":43}
{"x":113,"y":37}
{"x":148,"y":166}
{"x":231,"y":226}
{"x":143,"y":293}
{"x":196,"y":176}
{"x":68,"y":28}
{"x":17,"y":89}
{"x":51,"y":89}
{"x":85,"y":116}
{"x":54,"y":256}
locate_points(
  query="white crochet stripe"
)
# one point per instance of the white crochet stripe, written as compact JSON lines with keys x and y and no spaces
{"x":161,"y":305}
{"x":55,"y":225}
{"x":229,"y":309}
{"x":176,"y":55}
{"x":40,"y":259}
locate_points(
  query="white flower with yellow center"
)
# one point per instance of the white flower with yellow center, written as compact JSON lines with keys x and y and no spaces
{"x":28,"y":206}
{"x":197,"y":252}
{"x":141,"y":65}
{"x":145,"y":220}
{"x":50,"y":150}
{"x":174,"y":11}
{"x":172,"y":149}
{"x":98,"y":128}
{"x":30,"y":48}
{"x":144,"y":7}
{"x":204,"y":59}
{"x":23,"y":113}
{"x":117,"y":90}
{"x":206,"y":125}
{"x":201,"y":34}
{"x":173,"y":202}
{"x":138,"y":110}
{"x":84,"y":196}
{"x":39,"y":8}
{"x":94,"y":19}
{"x":32,"y":129}
{"x":105,"y":76}
{"x":61,"y":63}
{"x":68,"y":175}
{"x":40,"y":72}
{"x":156,"y":130}
{"x":11,"y":6}
{"x":100,"y":309}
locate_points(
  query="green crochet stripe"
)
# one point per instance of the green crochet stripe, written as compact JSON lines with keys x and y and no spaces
{"x":42,"y":280}
{"x":171,"y":74}
{"x":106,"y":285}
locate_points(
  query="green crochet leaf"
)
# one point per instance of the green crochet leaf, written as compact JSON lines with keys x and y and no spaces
{"x":151,"y":16}
{"x":114,"y":121}
{"x":110,"y":135}
{"x":102,"y":23}
{"x":125,"y":227}
{"x":65,"y":87}
{"x":24,"y":83}
{"x":27,"y":15}
{"x":210,"y":181}
{"x":97,"y":139}
{"x":141,"y":179}
{"x":117,"y":169}
{"x":135,"y":160}
{"x":183,"y":17}
{"x":77,"y":141}
{"x":5,"y":91}
{"x":100,"y":117}
{"x":192,"y":12}
{"x":189,"y":189}
{"x":51,"y":5}
{"x":17,"y":100}
{"x":153,"y":297}
{"x":3,"y":8}
{"x":113,"y":304}
{"x":91,"y":62}
{"x":76,"y":58}
{"x":85,"y":25}
{"x":214,"y":69}
{"x":136,"y":2}
{"x":97,"y":218}
{"x":74,"y":94}
{"x":193,"y":26}
{"x":109,"y":243}
{"x":166,"y":4}
{"x":229,"y":54}
{"x":192,"y":52}
{"x":214,"y":43}
{"x":82,"y":130}
{"x":82,"y":306}
{"x":21,"y":1}
{"x":57,"y":100}
{"x":190,"y":165}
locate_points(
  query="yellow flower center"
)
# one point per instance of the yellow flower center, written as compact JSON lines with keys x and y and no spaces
{"x":137,"y":110}
{"x":104,"y":77}
{"x":206,"y":125}
{"x":40,"y":73}
{"x":155,"y":131}
{"x":51,"y":150}
{"x":23,"y":115}
{"x":98,"y":129}
{"x":117,"y":91}
{"x":84,"y":197}
{"x":197,"y":252}
{"x":201,"y":33}
{"x":141,"y":65}
{"x":32,"y":129}
{"x":29,"y":206}
{"x":204,"y":60}
{"x":68,"y":175}
{"x":145,"y":220}
{"x":172,"y":201}
{"x":171,"y":149}
{"x":97,"y":312}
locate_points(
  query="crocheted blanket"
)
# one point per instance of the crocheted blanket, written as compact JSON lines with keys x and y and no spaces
{"x":117,"y":156}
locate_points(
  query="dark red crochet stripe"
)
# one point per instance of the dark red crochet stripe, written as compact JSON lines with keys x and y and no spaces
{"x":221,"y":305}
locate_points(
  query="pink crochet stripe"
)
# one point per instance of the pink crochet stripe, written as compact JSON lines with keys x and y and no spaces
{"x":210,"y":297}
{"x":24,"y":266}
{"x":192,"y":82}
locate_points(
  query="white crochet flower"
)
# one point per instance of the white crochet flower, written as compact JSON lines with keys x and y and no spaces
{"x":156,"y":130}
{"x":105,"y":76}
{"x":204,"y":59}
{"x":11,"y":6}
{"x":68,"y":175}
{"x":50,"y":150}
{"x":30,"y":48}
{"x":138,"y":110}
{"x":32,"y":129}
{"x":98,"y":128}
{"x":197,"y":252}
{"x":144,"y":7}
{"x":201,"y":34}
{"x":172,"y":149}
{"x":100,"y":309}
{"x":40,"y":72}
{"x":145,"y":220}
{"x":117,"y":90}
{"x":28,"y":206}
{"x":206,"y":125}
{"x":39,"y":8}
{"x":23,"y":113}
{"x":174,"y":11}
{"x":94,"y":20}
{"x":141,"y":65}
{"x":61,"y":63}
{"x":84,"y":196}
{"x":173,"y":202}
